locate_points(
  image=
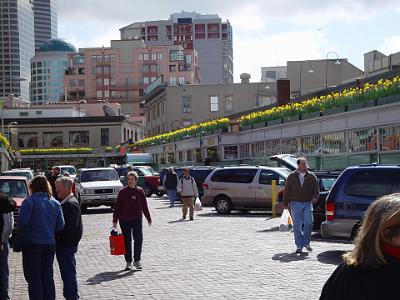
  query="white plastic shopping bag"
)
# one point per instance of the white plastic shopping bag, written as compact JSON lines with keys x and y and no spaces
{"x":286,"y":221}
{"x":197,"y":205}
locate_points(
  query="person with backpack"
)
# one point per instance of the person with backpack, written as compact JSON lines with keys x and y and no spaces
{"x":187,"y":187}
{"x":170,"y":183}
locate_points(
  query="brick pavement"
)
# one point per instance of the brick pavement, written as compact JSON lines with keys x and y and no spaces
{"x":240,"y":256}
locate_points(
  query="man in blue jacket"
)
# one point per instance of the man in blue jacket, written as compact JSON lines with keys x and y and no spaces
{"x":67,"y":239}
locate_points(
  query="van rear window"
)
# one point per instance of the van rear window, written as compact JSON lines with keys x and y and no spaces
{"x":374,"y":183}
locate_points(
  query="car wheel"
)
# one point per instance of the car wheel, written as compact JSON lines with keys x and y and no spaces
{"x":223,"y":205}
{"x":147,"y":191}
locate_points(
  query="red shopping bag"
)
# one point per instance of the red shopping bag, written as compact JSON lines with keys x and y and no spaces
{"x":117,"y":244}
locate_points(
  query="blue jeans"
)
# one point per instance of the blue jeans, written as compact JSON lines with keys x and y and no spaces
{"x":37,"y":261}
{"x":4,"y":273}
{"x":171,"y":196}
{"x":302,"y":215}
{"x":67,"y":263}
{"x":129,"y":229}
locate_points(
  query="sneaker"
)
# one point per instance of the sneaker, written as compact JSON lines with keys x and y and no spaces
{"x":128,"y":266}
{"x":308,"y":247}
{"x":137,"y":265}
{"x":299,"y":251}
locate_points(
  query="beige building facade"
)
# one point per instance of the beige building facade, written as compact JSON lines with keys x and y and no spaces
{"x":171,"y":107}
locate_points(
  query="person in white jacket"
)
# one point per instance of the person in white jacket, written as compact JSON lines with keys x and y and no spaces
{"x":7,"y":231}
{"x":187,"y":187}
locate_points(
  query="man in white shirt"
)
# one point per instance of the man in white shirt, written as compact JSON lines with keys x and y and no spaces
{"x":187,"y":187}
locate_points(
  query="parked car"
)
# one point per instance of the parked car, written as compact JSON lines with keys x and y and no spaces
{"x":352,"y":193}
{"x":28,"y":173}
{"x":68,"y":168}
{"x":97,"y":186}
{"x":326,"y":179}
{"x":242,"y":188}
{"x":17,"y":188}
{"x":199,"y":174}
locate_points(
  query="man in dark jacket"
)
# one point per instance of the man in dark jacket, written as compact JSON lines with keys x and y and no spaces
{"x":56,"y":173}
{"x":301,"y":190}
{"x":67,"y":239}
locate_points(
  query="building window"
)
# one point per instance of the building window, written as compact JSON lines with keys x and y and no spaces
{"x":289,"y":145}
{"x":172,"y":68}
{"x":257,"y":149}
{"x":105,"y":136}
{"x":228,"y":103}
{"x":389,"y":138}
{"x":231,"y":152}
{"x":334,"y":142}
{"x":188,"y":58}
{"x":52,"y":139}
{"x":28,"y":140}
{"x":363,"y":140}
{"x":264,"y":100}
{"x":189,"y":155}
{"x":38,"y":112}
{"x":310,"y":145}
{"x":244,"y":151}
{"x":23,"y":113}
{"x":79,"y":138}
{"x":270,"y":75}
{"x":180,"y":156}
{"x":214,"y":103}
{"x":172,"y":80}
{"x":176,"y":55}
{"x":99,"y":94}
{"x":181,"y":80}
{"x":187,"y":104}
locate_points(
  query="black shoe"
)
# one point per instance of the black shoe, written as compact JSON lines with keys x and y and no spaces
{"x":299,"y":251}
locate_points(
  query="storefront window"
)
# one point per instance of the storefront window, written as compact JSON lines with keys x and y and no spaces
{"x":245,"y":151}
{"x":79,"y":139}
{"x":389,"y":138}
{"x":363,"y":140}
{"x":231,"y":152}
{"x":310,"y":144}
{"x":52,"y":139}
{"x":28,"y":140}
{"x":257,"y":149}
{"x":273,"y":147}
{"x":105,"y":136}
{"x":334,"y":142}
{"x":289,"y":146}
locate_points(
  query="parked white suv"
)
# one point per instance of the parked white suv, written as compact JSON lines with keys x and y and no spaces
{"x":97,"y":186}
{"x":68,"y":168}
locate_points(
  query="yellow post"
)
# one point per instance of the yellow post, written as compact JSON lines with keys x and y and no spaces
{"x":273,"y":188}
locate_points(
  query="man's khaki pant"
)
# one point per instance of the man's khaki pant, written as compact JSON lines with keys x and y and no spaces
{"x":187,"y":202}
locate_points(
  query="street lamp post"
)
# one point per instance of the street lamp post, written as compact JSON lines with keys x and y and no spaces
{"x":337,"y":62}
{"x":9,"y":130}
{"x":310,"y":70}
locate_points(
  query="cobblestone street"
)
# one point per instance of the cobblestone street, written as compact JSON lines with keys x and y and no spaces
{"x":239,"y":256}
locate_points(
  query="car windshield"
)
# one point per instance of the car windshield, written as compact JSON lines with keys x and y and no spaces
{"x":99,"y":175}
{"x":146,"y":172}
{"x":14,"y":188}
{"x":70,"y":170}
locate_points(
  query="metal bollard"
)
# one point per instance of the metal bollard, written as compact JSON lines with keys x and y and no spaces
{"x":273,"y":188}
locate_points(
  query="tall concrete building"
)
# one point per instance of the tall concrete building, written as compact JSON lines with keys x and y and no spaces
{"x":48,"y":68}
{"x":211,"y":38}
{"x":45,"y":18}
{"x":17,"y":46}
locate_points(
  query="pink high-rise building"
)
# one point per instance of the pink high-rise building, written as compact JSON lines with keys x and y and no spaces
{"x":120,"y":73}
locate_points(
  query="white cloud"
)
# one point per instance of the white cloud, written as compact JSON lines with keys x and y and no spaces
{"x":252,"y":54}
{"x":391,"y":45}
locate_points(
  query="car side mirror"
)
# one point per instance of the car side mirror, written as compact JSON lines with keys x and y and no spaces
{"x":121,"y":178}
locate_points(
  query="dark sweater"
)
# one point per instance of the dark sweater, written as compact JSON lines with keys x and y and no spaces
{"x":295,"y":192}
{"x":356,"y":283}
{"x":171,"y":181}
{"x":73,"y":229}
{"x":131,"y":204}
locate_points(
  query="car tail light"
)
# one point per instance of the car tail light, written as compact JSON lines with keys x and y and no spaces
{"x":205,"y":186}
{"x":330,"y":211}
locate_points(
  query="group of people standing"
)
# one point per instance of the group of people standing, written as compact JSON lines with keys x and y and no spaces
{"x":50,"y":219}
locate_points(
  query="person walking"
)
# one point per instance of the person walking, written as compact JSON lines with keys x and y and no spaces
{"x":301,"y":190}
{"x":7,"y":205}
{"x":187,"y":187}
{"x":372,"y":269}
{"x":56,"y":173}
{"x":129,"y":209}
{"x":67,"y":239}
{"x":40,"y":216}
{"x":170,"y":184}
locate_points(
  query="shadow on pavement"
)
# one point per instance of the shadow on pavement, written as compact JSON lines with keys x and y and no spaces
{"x":236,"y":215}
{"x":316,"y":236}
{"x":272,"y":229}
{"x":102,"y":210}
{"x":289,"y":257}
{"x":109,"y":276}
{"x":332,"y":257}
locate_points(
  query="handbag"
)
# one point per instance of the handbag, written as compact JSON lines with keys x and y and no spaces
{"x":21,"y":240}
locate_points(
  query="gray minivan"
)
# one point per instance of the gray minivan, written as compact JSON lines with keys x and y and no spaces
{"x":242,"y":188}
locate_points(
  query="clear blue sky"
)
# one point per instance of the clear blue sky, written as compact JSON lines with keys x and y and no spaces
{"x":266,"y":33}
